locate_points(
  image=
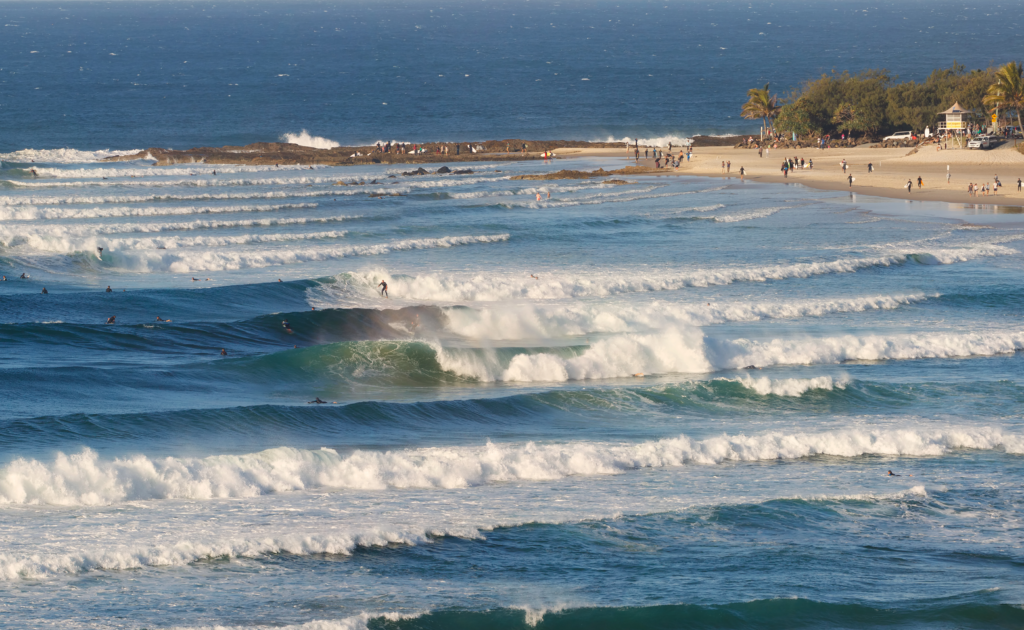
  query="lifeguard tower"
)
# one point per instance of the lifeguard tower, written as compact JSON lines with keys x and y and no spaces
{"x":954,"y":124}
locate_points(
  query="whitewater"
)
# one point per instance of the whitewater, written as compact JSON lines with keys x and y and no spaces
{"x":385,"y":401}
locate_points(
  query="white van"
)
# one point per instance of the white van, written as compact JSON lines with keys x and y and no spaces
{"x":980,"y":142}
{"x":899,"y":135}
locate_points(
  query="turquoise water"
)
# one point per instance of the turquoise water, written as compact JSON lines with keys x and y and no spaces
{"x":667,"y":404}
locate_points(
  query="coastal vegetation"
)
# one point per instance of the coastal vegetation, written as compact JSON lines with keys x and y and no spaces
{"x":875,"y":102}
{"x":1007,"y":92}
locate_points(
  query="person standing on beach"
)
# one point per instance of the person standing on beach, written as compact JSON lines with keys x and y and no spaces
{"x":870,"y":167}
{"x":760,"y":152}
{"x":647,"y":153}
{"x":910,"y":186}
{"x":785,"y":170}
{"x":728,"y":166}
{"x":742,"y":172}
{"x":849,"y":178}
{"x":920,"y":182}
{"x":1018,"y":184}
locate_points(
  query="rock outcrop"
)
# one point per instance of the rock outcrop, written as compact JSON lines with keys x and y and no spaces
{"x":267,"y":153}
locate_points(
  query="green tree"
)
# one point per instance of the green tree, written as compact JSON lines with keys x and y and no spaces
{"x":846,"y":118}
{"x":793,"y":118}
{"x":1007,"y":93}
{"x":761,"y":104}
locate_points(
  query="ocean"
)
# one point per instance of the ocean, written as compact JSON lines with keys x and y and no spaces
{"x":672,"y":403}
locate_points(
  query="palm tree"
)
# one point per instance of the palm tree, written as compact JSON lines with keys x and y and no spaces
{"x":1007,"y":93}
{"x":761,"y":105}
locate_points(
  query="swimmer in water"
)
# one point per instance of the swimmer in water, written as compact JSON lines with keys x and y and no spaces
{"x":312,"y":308}
{"x":317,"y":402}
{"x":534,"y":277}
{"x":892,"y":474}
{"x":223,"y":352}
{"x":195,"y":280}
{"x":109,"y":290}
{"x":384,"y":289}
{"x":538,"y":196}
{"x":45,"y":291}
{"x":110,"y":320}
{"x":24,"y":277}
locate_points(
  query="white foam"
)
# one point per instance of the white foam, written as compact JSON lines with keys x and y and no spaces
{"x":675,"y":140}
{"x":570,"y":284}
{"x":187,"y":261}
{"x":304,"y":139}
{"x":134,"y":170}
{"x":686,"y":350}
{"x":86,"y":479}
{"x":32,"y":213}
{"x":541,"y":321}
{"x":356,"y":622}
{"x":61,"y":156}
{"x":58,"y":240}
{"x":746,"y":216}
{"x":789,"y":386}
{"x":186,"y":552}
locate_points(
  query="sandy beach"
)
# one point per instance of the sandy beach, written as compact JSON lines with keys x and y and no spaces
{"x":891,"y":169}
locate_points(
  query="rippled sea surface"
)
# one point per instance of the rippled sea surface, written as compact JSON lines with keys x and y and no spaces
{"x":670,"y":403}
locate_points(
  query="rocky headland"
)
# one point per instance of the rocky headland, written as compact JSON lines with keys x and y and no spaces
{"x":267,"y":153}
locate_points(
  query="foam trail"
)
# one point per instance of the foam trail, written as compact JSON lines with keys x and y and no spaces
{"x":674,"y":351}
{"x":746,"y":216}
{"x":357,"y":622}
{"x":566,"y":284}
{"x":127,"y":169}
{"x":54,"y":241}
{"x":195,"y":182}
{"x":186,"y":552}
{"x":185,"y":261}
{"x":789,"y":386}
{"x":61,"y":156}
{"x":86,"y":479}
{"x":31,"y":213}
{"x":304,"y":139}
{"x":538,"y":321}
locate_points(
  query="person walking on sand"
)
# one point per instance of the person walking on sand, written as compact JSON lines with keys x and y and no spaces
{"x":910,"y":186}
{"x":1018,"y":184}
{"x":728,"y":166}
{"x":920,"y":182}
{"x":742,"y":173}
{"x":849,"y":178}
{"x":384,"y":289}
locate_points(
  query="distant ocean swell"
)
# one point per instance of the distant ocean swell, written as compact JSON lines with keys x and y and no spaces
{"x":481,"y":417}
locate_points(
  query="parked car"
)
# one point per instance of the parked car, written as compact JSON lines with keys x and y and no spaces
{"x":979,"y":142}
{"x":900,"y":135}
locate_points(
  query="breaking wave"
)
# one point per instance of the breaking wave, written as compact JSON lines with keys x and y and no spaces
{"x":86,"y":479}
{"x":304,"y":139}
{"x":61,"y":156}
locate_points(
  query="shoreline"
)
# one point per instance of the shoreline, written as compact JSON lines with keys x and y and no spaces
{"x":892,"y":169}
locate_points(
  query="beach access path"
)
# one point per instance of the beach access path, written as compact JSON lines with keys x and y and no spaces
{"x":891,"y":169}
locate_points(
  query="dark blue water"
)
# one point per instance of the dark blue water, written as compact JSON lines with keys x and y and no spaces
{"x":132,"y":75}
